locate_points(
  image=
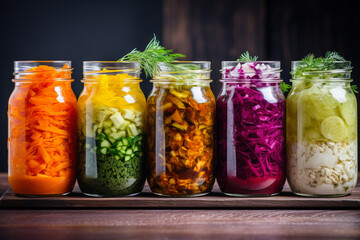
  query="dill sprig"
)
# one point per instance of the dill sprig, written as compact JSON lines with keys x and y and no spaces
{"x":284,"y":87}
{"x":151,"y":56}
{"x":245,"y":57}
{"x":354,"y":88}
{"x":310,"y":63}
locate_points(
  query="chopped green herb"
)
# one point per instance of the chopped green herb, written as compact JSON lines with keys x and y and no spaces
{"x":111,"y":162}
{"x":151,"y":56}
{"x":285,"y":87}
{"x":319,"y":64}
{"x":354,"y":88}
{"x":245,"y":57}
{"x":310,"y":63}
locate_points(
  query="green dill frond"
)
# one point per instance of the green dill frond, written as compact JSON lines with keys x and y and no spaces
{"x":354,"y":88}
{"x":183,"y":67}
{"x":311,"y":63}
{"x":333,"y":56}
{"x":151,"y":56}
{"x":308,"y":58}
{"x":284,"y":87}
{"x":245,"y":57}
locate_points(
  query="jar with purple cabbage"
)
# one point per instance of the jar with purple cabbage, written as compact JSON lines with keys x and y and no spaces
{"x":251,"y":129}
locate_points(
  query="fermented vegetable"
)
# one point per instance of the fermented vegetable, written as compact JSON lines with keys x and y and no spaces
{"x":250,"y":130}
{"x":111,"y":128}
{"x":322,"y":127}
{"x":42,"y":132}
{"x":180,"y":137}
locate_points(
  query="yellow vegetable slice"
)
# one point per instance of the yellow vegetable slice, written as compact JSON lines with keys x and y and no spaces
{"x":334,"y":128}
{"x":348,"y":111}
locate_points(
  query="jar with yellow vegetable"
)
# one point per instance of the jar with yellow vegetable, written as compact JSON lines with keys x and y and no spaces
{"x":180,"y":130}
{"x":321,"y":127}
{"x":111,"y":118}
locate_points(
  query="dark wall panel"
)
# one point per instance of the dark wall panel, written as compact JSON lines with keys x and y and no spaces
{"x":296,"y":28}
{"x":214,"y":30}
{"x":283,"y":30}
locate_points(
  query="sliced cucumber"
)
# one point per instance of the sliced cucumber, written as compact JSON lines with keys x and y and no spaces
{"x":118,"y":133}
{"x":107,"y":131}
{"x":124,"y":125}
{"x":101,"y":136}
{"x":138,"y":121}
{"x":115,"y":135}
{"x":105,"y":144}
{"x":125,"y":142}
{"x":334,"y":128}
{"x":132,"y":130}
{"x":103,"y":115}
{"x":107,"y":124}
{"x":129,"y":115}
{"x":103,"y":150}
{"x":122,"y":133}
{"x":117,"y":119}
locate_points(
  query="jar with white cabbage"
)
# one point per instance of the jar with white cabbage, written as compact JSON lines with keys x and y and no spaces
{"x":321,"y":116}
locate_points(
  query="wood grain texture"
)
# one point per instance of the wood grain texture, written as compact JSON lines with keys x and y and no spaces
{"x":4,"y":184}
{"x":215,"y":200}
{"x":214,"y":30}
{"x":179,"y":224}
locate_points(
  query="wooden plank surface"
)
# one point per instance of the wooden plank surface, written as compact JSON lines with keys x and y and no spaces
{"x":215,"y":199}
{"x":4,"y":184}
{"x":179,"y":224}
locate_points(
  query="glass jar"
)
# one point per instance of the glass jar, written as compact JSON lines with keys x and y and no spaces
{"x":250,"y":130}
{"x":180,"y":130}
{"x":111,"y":110}
{"x":321,"y":123}
{"x":42,"y":129}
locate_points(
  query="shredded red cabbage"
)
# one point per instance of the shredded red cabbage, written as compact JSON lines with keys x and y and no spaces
{"x":251,"y":140}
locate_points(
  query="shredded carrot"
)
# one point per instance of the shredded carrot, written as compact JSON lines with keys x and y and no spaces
{"x":42,"y":139}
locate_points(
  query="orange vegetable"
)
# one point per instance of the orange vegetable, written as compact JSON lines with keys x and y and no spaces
{"x":180,"y":141}
{"x":42,"y":132}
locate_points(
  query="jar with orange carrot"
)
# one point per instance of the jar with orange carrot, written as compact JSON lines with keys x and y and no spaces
{"x":42,"y":129}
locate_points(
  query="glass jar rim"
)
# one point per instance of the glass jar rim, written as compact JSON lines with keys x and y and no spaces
{"x":339,"y":67}
{"x":177,"y":71}
{"x":205,"y":66}
{"x":229,"y":64}
{"x":279,"y":62}
{"x":98,"y":68}
{"x":20,"y":66}
{"x":321,"y":80}
{"x":21,"y":69}
{"x":264,"y":80}
{"x":246,"y":73}
{"x":94,"y":66}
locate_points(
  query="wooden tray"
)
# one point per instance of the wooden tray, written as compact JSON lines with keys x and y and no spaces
{"x":215,"y":200}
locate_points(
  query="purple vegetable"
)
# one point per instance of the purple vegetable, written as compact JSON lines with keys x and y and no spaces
{"x":250,"y":134}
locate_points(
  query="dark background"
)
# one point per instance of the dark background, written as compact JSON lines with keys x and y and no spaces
{"x":213,"y":30}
